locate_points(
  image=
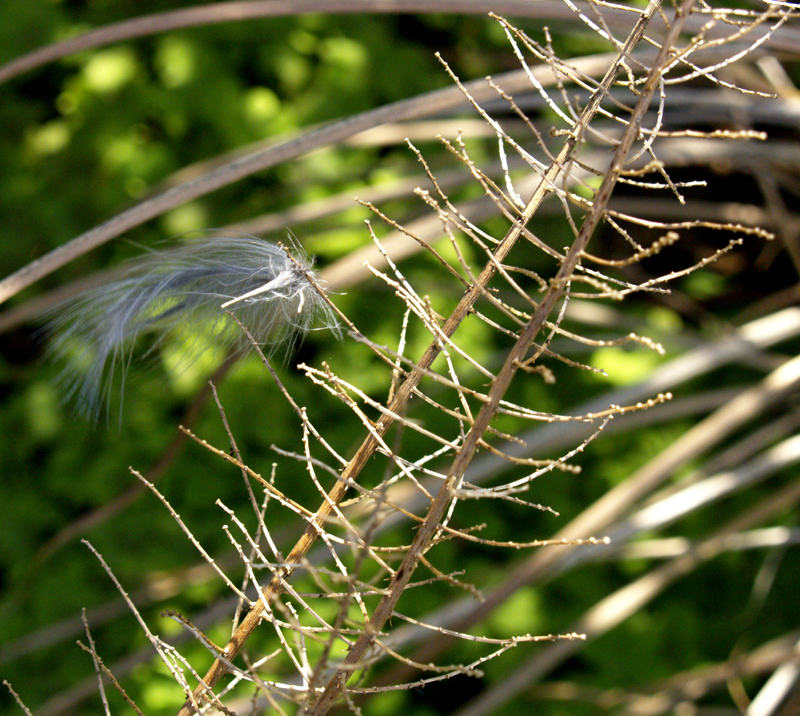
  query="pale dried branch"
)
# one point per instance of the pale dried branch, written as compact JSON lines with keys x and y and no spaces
{"x":97,"y":666}
{"x":626,"y":601}
{"x":17,"y":698}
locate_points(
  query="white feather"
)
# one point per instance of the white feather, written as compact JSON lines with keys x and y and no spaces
{"x":194,"y":284}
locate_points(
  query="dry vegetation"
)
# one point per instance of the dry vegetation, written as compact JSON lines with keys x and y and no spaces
{"x":575,"y":185}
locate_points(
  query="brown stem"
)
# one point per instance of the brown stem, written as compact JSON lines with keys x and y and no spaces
{"x":404,"y":392}
{"x":438,"y":507}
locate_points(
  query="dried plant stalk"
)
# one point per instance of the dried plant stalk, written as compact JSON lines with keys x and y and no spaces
{"x":515,"y":359}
